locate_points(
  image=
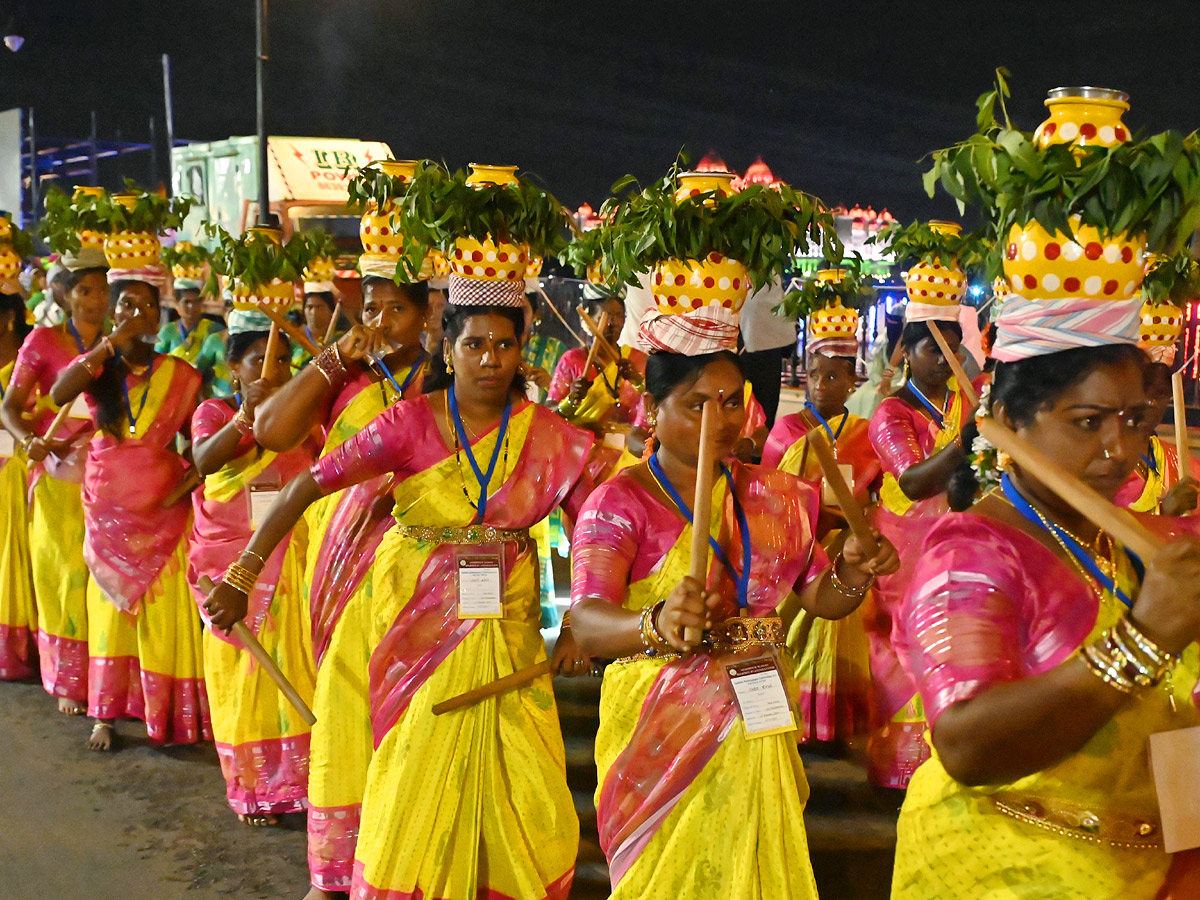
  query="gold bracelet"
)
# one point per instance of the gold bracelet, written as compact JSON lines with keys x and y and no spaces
{"x":566,"y":621}
{"x":842,"y":588}
{"x":240,"y":578}
{"x":329,"y":363}
{"x":1143,"y":647}
{"x":652,"y":638}
{"x":1109,"y":653}
{"x":1106,"y":672}
{"x":249,"y":552}
{"x":242,"y":422}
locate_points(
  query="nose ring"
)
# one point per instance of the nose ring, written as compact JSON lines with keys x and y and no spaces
{"x":1107,"y":455}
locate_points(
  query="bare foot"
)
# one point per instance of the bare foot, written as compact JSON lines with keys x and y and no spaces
{"x":258,"y":820}
{"x":102,"y":736}
{"x":318,"y":894}
{"x":69,"y":707}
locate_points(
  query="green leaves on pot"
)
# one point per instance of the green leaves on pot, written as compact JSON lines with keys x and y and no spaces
{"x":853,"y":291}
{"x":924,"y":242}
{"x":371,"y":186}
{"x":62,"y":221}
{"x":585,"y":251}
{"x":1174,"y":279}
{"x":185,"y":253}
{"x":762,"y":228}
{"x":1146,"y":186}
{"x":443,"y":208}
{"x":146,"y":211}
{"x":255,"y":257}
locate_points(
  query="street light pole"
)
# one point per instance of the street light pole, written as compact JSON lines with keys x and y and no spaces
{"x":260,"y":34}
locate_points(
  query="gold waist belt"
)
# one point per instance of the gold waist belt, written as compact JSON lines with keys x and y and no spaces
{"x":1081,"y":823}
{"x":468,"y":534}
{"x":732,"y":634}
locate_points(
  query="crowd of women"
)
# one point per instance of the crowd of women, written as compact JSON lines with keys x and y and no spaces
{"x":383,"y":520}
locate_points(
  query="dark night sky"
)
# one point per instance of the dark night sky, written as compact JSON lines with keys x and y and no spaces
{"x":841,"y":98}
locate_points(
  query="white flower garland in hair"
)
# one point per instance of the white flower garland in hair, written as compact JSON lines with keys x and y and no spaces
{"x":987,"y":462}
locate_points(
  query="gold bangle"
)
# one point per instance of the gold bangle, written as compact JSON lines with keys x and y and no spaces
{"x":242,"y":422}
{"x":240,"y":578}
{"x":842,"y":588}
{"x":249,"y":552}
{"x":652,"y":638}
{"x":1106,"y":671}
{"x":566,"y":621}
{"x":330,"y":364}
{"x":1143,"y":646}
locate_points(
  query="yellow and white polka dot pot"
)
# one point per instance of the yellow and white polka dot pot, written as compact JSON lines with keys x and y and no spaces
{"x":683,"y":285}
{"x":1041,"y":266}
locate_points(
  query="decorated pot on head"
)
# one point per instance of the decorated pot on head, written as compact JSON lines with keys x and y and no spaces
{"x":10,"y":260}
{"x":275,"y":294}
{"x":693,"y":184}
{"x":439,"y":270}
{"x":484,"y":175}
{"x":187,"y":271}
{"x":320,"y":269}
{"x":127,"y":249}
{"x":89,"y":238}
{"x":1162,"y":323}
{"x":486,"y":271}
{"x":832,"y":330}
{"x":1084,"y":117}
{"x":697,"y":305}
{"x":533,"y":271}
{"x":935,"y":291}
{"x":382,"y":244}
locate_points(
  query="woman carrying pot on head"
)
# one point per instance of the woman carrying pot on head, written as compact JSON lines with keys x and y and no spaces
{"x":185,"y":336}
{"x":449,"y":798}
{"x":56,"y":464}
{"x":369,"y":369}
{"x":261,"y":741}
{"x":18,"y":615}
{"x":1046,"y":663}
{"x":144,"y":655}
{"x":832,"y":660}
{"x":682,"y":753}
{"x":916,"y":434}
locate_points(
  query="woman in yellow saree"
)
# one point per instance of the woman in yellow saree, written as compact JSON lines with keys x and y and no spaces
{"x":1047,"y":662}
{"x":18,"y":616}
{"x":261,"y":742}
{"x":474,"y":803}
{"x":369,"y":369}
{"x":144,"y":654}
{"x":701,"y":788}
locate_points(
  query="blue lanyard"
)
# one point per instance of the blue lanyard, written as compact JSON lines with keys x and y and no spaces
{"x":79,"y":338}
{"x":1151,"y":463}
{"x":1081,"y":556}
{"x":141,"y":406}
{"x":833,"y":438}
{"x":485,"y":480}
{"x":309,"y":333}
{"x":412,"y":373}
{"x":939,"y":416}
{"x":183,"y":333}
{"x":742,"y":581}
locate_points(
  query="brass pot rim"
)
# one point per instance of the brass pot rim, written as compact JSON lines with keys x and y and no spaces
{"x":1088,"y":92}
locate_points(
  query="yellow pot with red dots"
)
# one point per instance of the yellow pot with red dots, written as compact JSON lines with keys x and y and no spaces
{"x":320,"y":269}
{"x":1161,"y":326}
{"x":382,"y":244}
{"x":5,"y":227}
{"x":489,"y":260}
{"x":1084,"y":117}
{"x":1042,"y":266}
{"x":833,"y":321}
{"x":279,"y":295}
{"x":692,"y":184}
{"x":482,"y":175}
{"x":132,"y":249}
{"x":683,"y":285}
{"x":931,"y":283}
{"x":10,"y":263}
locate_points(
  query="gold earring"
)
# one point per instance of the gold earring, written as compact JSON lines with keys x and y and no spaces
{"x":652,"y":420}
{"x":449,"y":366}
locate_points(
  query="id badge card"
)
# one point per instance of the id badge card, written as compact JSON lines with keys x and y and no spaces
{"x":1175,"y":762}
{"x":761,"y":698}
{"x":79,"y":408}
{"x":828,"y":497}
{"x":8,"y":446}
{"x":480,"y":569}
{"x":262,"y":496}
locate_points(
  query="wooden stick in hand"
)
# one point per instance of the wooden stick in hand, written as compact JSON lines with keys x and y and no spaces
{"x":332,"y":329}
{"x":599,"y":331}
{"x":57,"y":423}
{"x":960,"y":375}
{"x":845,"y":496}
{"x":1119,"y":523}
{"x":270,"y":363}
{"x":554,"y":309}
{"x":255,"y":649}
{"x":591,"y":357}
{"x":1181,"y":433}
{"x":702,"y":504}
{"x":517,"y":679}
{"x":191,"y":481}
{"x":292,"y":331}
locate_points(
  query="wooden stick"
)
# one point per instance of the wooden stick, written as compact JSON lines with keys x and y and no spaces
{"x":58,"y":421}
{"x":845,"y":496}
{"x":554,"y":309}
{"x":964,"y":383}
{"x":292,"y":331}
{"x":599,"y":330}
{"x":1181,"y":431}
{"x":1119,"y":523}
{"x":591,"y":357}
{"x":517,"y":679}
{"x":332,"y":329}
{"x":886,"y":388}
{"x":255,"y":649}
{"x":270,"y":363}
{"x":191,"y":481}
{"x":702,"y":505}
